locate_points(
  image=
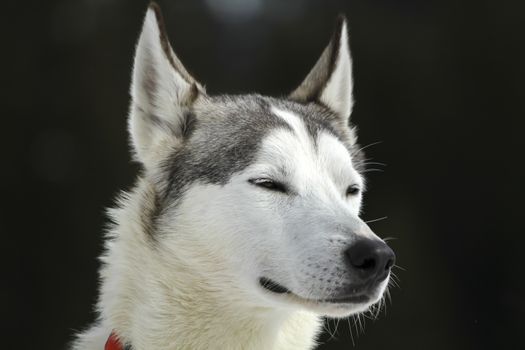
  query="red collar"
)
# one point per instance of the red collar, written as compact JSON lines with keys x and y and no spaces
{"x":113,"y":343}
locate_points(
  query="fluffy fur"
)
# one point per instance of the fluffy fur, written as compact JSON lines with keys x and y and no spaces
{"x":236,"y":192}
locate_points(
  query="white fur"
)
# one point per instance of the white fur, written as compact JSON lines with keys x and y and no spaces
{"x":338,"y":91}
{"x":195,"y":284}
{"x":198,"y":289}
{"x":158,"y":90}
{"x":168,"y":297}
{"x":332,"y":86}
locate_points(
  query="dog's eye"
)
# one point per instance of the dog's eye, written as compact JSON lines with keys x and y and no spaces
{"x":269,"y":184}
{"x":352,"y":190}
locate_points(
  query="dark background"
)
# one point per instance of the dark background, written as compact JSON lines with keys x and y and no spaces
{"x":439,"y":83}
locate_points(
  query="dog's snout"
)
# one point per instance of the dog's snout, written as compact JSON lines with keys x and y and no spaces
{"x":372,"y":259}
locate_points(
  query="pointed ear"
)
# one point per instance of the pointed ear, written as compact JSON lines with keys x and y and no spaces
{"x":162,"y":91}
{"x":330,"y":81}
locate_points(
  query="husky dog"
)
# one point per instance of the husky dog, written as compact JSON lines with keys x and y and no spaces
{"x":243,"y":228}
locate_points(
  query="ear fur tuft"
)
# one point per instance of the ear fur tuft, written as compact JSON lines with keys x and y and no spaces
{"x":162,"y":91}
{"x":330,"y":80}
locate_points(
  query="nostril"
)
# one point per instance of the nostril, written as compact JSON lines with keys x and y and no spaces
{"x":390,"y":257}
{"x":362,"y":256}
{"x":368,"y":263}
{"x":389,"y":264}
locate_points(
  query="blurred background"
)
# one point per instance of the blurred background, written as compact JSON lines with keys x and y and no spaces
{"x":438,"y":83}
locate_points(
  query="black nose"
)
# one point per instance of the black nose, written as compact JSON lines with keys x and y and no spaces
{"x":372,"y":259}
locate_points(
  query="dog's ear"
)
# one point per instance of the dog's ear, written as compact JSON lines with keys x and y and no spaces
{"x":330,"y":81}
{"x":162,"y":91}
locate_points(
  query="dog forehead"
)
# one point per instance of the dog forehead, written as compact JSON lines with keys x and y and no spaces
{"x":224,"y":139}
{"x":229,"y":133}
{"x":298,"y":147}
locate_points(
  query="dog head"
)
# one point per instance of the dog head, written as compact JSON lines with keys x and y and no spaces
{"x":262,"y":193}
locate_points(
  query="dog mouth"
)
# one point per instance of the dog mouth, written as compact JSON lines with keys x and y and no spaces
{"x":273,"y":287}
{"x":276,"y":288}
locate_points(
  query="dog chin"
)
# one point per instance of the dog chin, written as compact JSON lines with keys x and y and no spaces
{"x":335,"y":310}
{"x":336,"y":307}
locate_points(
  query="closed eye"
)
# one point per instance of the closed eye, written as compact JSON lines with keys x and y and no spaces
{"x":269,"y":184}
{"x":352,"y":190}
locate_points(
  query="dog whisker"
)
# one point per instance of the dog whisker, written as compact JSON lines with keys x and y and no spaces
{"x":351,"y":331}
{"x":373,"y":170}
{"x":369,"y":145}
{"x":399,"y":267}
{"x":376,"y":220}
{"x":374,"y":163}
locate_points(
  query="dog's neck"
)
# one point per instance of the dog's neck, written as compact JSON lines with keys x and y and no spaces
{"x":141,"y":304}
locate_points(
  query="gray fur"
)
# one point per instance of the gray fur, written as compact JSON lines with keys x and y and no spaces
{"x":314,"y":83}
{"x":226,"y":133}
{"x":168,"y":51}
{"x":185,"y":264}
{"x":220,"y":135}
